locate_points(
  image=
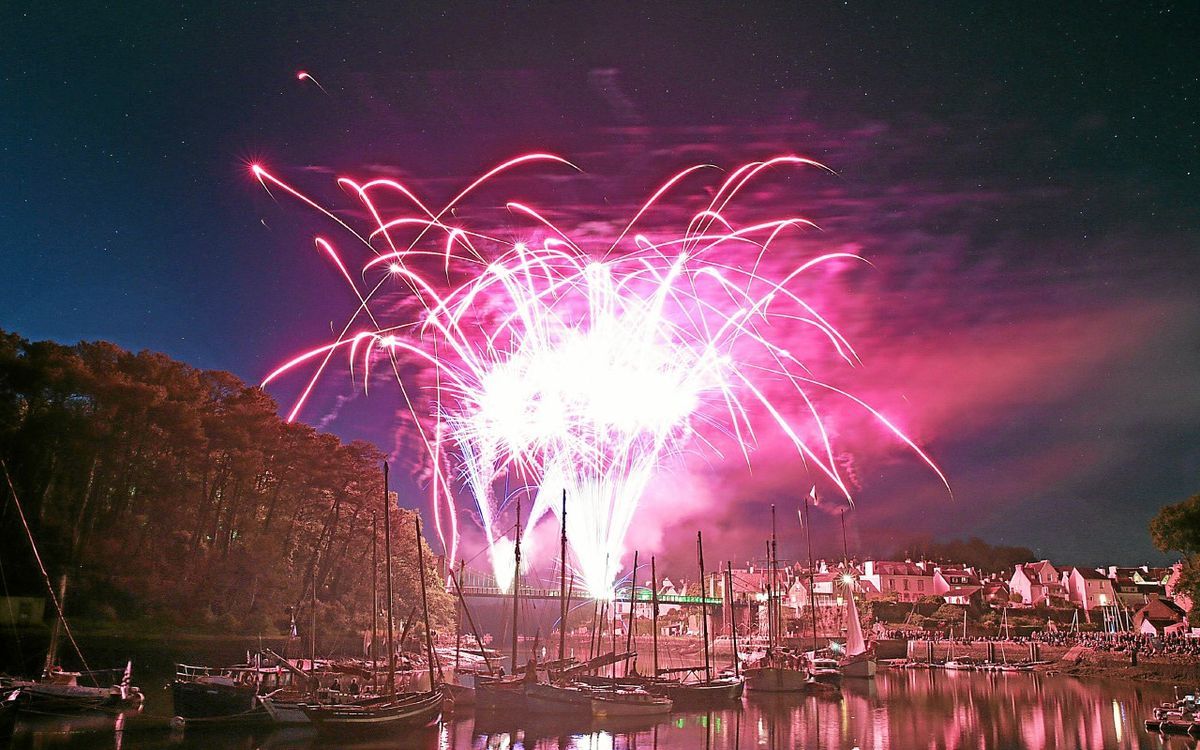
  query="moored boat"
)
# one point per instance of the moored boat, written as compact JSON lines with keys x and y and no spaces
{"x":775,"y":679}
{"x":231,"y":693}
{"x":405,"y":711}
{"x":557,"y":699}
{"x":708,"y":692}
{"x":8,"y":712}
{"x":629,"y":703}
{"x":60,"y":692}
{"x":962,"y":664}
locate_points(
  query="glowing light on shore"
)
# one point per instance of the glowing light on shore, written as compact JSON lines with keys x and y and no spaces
{"x":548,"y":367}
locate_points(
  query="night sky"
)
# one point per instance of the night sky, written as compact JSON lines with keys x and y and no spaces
{"x":1026,"y":186}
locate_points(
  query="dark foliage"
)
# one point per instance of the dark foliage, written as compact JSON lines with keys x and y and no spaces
{"x":178,"y":495}
{"x":1176,"y":528}
{"x":974,"y":552}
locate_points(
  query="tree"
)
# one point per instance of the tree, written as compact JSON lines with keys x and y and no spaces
{"x":973,"y":552}
{"x":180,"y":494}
{"x":1176,"y":528}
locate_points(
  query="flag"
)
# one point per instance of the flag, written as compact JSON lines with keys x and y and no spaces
{"x":812,"y":494}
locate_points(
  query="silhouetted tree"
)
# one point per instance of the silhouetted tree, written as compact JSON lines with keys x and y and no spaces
{"x":180,"y":494}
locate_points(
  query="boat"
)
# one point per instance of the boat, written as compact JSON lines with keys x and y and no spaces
{"x":229,"y":694}
{"x":776,"y":679}
{"x":823,"y":668}
{"x":505,"y":692}
{"x":60,"y":691}
{"x":558,"y":699}
{"x":962,"y":664}
{"x":859,"y":661}
{"x":394,"y":711}
{"x":406,"y":711}
{"x":724,"y":689}
{"x":1182,"y":716}
{"x":8,"y":713}
{"x":625,"y":702}
{"x":776,"y":672}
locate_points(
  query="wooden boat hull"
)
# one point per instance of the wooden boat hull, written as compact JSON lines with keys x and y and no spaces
{"x":500,"y":694}
{"x":553,"y":699}
{"x":720,"y":690}
{"x":625,"y":703}
{"x":776,"y":680}
{"x":288,"y":713}
{"x":8,"y":713}
{"x":459,"y":696}
{"x":49,"y":697}
{"x":413,"y":711}
{"x":859,"y":668}
{"x":202,"y":700}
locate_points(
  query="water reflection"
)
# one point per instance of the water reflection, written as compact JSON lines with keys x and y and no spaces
{"x":900,"y":710}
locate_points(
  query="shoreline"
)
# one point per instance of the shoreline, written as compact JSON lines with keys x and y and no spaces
{"x":161,"y":650}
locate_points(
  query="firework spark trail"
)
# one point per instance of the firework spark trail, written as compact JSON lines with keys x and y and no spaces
{"x":553,"y":368}
{"x":304,"y":75}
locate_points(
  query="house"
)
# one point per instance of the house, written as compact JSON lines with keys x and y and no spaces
{"x":1088,"y":588}
{"x":958,"y":585}
{"x":996,"y":593}
{"x":1037,"y":583}
{"x":1173,"y":590}
{"x":906,"y":581}
{"x":1160,"y":617}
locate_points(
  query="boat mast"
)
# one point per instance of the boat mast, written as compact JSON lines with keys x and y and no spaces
{"x":632,"y":591}
{"x":374,"y":601}
{"x":775,"y":608}
{"x":703,"y":608}
{"x":812,"y":594}
{"x":654,"y":610}
{"x":845,"y":548}
{"x":457,"y":627}
{"x":732,"y":616}
{"x":516,"y":586}
{"x":387,"y":555}
{"x":312,"y":653}
{"x":770,"y":596}
{"x":470,"y":620}
{"x":433,"y":681}
{"x":562,"y":583}
{"x":55,"y":630}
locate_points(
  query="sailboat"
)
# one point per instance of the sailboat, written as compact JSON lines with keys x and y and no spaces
{"x":775,"y":673}
{"x":859,"y":661}
{"x":59,"y":690}
{"x":395,"y":711}
{"x":506,"y":692}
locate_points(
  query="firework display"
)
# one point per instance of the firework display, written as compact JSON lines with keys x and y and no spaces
{"x":545,"y":365}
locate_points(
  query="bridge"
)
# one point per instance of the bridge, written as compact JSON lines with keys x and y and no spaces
{"x":477,"y":584}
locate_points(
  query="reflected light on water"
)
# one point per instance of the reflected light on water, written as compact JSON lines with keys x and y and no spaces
{"x":900,"y":710}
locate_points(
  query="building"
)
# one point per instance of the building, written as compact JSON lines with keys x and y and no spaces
{"x":1088,"y":588}
{"x":906,"y":581}
{"x":1172,"y":588}
{"x":1160,"y":617}
{"x":1037,"y":583}
{"x":958,"y":586}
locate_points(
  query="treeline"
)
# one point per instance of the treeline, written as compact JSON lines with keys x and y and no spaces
{"x":178,"y":496}
{"x":974,"y":552}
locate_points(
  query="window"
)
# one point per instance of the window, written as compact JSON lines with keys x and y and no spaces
{"x":906,"y":584}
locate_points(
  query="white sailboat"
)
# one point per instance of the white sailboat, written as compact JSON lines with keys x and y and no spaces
{"x":859,"y":660}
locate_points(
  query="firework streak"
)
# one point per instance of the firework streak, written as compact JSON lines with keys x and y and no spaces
{"x":549,"y":367}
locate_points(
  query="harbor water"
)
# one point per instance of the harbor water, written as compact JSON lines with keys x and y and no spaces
{"x":900,"y":709}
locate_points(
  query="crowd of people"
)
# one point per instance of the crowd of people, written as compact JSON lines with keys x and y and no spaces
{"x":1174,"y":645}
